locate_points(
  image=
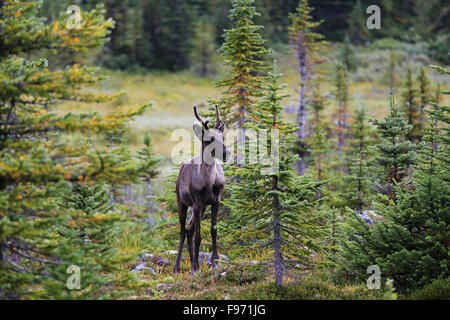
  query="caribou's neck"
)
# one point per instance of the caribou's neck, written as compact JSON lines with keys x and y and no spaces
{"x":207,"y":171}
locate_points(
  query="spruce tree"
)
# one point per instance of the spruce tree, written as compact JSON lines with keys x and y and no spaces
{"x":390,"y":74}
{"x":149,"y":163}
{"x":424,"y":95}
{"x":41,"y":162}
{"x":395,"y":153}
{"x":320,"y":146}
{"x":203,"y":48}
{"x":89,"y":199}
{"x":440,"y":114}
{"x":341,"y":95}
{"x":114,"y":138}
{"x":177,"y":31}
{"x":119,"y":49}
{"x":411,"y":107}
{"x":273,"y":210}
{"x":245,"y":53}
{"x":357,"y":24}
{"x":115,"y":163}
{"x":306,"y":43}
{"x":434,"y":103}
{"x":347,"y":54}
{"x":410,"y":243}
{"x":357,"y":153}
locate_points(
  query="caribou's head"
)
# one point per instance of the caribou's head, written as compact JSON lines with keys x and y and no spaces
{"x":212,"y":138}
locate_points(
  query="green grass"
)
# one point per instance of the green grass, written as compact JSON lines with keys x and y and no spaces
{"x":230,"y":281}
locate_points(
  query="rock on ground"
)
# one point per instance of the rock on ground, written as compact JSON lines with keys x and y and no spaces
{"x":141,"y":267}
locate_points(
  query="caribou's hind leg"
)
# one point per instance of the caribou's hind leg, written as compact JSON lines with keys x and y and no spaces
{"x":190,"y":237}
{"x":197,"y":238}
{"x":182,"y":210}
{"x":190,"y":230}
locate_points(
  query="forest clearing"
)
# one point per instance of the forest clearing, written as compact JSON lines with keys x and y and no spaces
{"x":92,"y":103}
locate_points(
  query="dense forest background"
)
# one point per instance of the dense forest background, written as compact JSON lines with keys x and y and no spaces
{"x":166,"y":35}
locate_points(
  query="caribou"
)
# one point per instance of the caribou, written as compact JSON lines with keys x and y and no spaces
{"x":200,"y":183}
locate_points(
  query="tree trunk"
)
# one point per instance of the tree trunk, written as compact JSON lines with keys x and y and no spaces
{"x":359,"y":204}
{"x":301,"y":53}
{"x":344,"y":122}
{"x":149,"y":202}
{"x":319,"y":174}
{"x":2,"y":250}
{"x":204,"y":64}
{"x":277,"y":247}
{"x":111,"y":198}
{"x":422,"y":117}
{"x":129,"y":193}
{"x":278,"y":261}
{"x":340,"y":128}
{"x":241,"y":129}
{"x":435,"y":145}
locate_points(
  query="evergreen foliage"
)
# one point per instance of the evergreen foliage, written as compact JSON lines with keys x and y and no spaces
{"x":306,"y":42}
{"x":177,"y":25}
{"x":89,"y":199}
{"x":411,"y":107}
{"x":144,"y":29}
{"x":437,"y":290}
{"x":395,"y":153}
{"x":341,"y":95}
{"x":410,"y":243}
{"x":245,"y":53}
{"x":329,"y":191}
{"x":204,"y":48}
{"x":424,"y":95}
{"x":40,"y":165}
{"x":358,"y":154}
{"x":319,"y":142}
{"x":347,"y":55}
{"x":357,"y":24}
{"x":148,"y":170}
{"x":302,"y":25}
{"x":273,"y":209}
{"x":440,"y":114}
{"x":391,"y":75}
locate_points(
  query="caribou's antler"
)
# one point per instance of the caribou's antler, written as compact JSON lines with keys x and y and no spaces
{"x":204,"y":123}
{"x":217,"y":116}
{"x":219,"y":123}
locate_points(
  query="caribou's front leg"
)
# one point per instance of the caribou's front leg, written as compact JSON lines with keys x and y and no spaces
{"x":214,"y":211}
{"x":198,"y":238}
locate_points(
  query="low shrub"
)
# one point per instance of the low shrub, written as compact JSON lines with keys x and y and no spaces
{"x":438,"y":49}
{"x":437,"y":290}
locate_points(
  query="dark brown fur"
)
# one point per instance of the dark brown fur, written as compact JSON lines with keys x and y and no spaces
{"x":200,"y":183}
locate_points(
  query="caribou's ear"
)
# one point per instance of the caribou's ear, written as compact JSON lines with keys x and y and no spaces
{"x":198,"y":131}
